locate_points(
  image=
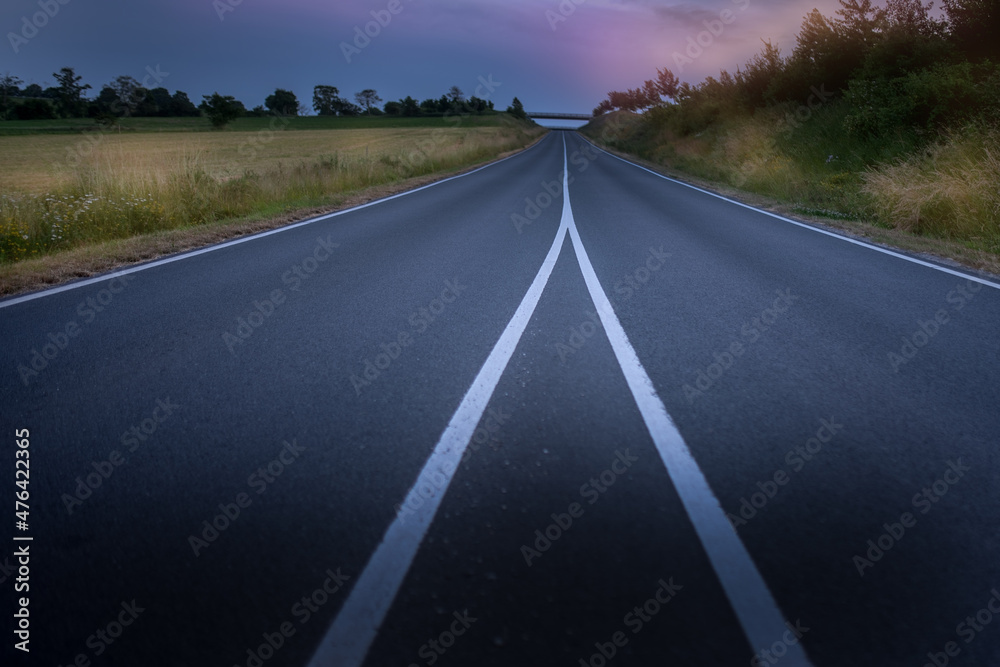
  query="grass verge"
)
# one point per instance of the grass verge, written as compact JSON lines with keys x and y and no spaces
{"x":940,"y":201}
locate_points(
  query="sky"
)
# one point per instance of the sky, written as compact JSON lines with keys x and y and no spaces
{"x":554,"y":55}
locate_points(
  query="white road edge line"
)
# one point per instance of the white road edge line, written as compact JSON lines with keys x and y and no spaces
{"x":863,"y":244}
{"x":755,"y":607}
{"x":350,"y":636}
{"x":194,"y":253}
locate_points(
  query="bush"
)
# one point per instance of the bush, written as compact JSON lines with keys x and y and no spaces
{"x":937,"y":98}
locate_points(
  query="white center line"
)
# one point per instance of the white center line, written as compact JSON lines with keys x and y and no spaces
{"x":347,"y":641}
{"x":749,"y":596}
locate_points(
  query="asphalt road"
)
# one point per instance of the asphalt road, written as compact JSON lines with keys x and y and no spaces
{"x":481,"y":424}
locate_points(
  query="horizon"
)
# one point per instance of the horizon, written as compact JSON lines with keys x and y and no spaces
{"x":508,"y":49}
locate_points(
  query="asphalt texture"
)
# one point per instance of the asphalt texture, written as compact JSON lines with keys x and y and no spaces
{"x":219,"y":443}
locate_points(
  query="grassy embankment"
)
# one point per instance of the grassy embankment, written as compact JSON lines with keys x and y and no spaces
{"x":76,"y":203}
{"x":941,"y":197}
{"x":884,"y":111}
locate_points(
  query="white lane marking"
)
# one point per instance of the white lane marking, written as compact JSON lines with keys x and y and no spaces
{"x":245,"y":239}
{"x":347,"y":641}
{"x":863,"y":244}
{"x":755,"y":607}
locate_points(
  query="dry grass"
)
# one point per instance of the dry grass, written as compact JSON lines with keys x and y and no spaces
{"x":947,"y":194}
{"x":66,"y":192}
{"x":92,"y":259}
{"x":944,"y":251}
{"x":952,"y":190}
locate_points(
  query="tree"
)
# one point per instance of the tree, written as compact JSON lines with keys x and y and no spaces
{"x":32,"y":90}
{"x":159,"y":102}
{"x":516,"y":109}
{"x":326,"y":100}
{"x":221,"y":110}
{"x":106,"y":103}
{"x":282,"y":102}
{"x":973,"y":25}
{"x":603,"y":108}
{"x":455,"y":96}
{"x":666,"y":83}
{"x":393,"y":108}
{"x":70,"y":92}
{"x":757,"y":74}
{"x":181,"y":105}
{"x":9,"y":87}
{"x":367,"y":99}
{"x":410,"y":106}
{"x":345,"y":108}
{"x":129,"y":94}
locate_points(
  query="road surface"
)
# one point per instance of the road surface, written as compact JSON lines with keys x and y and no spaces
{"x":486,"y":423}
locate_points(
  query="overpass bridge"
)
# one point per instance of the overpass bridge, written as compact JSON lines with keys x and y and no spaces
{"x":554,"y":115}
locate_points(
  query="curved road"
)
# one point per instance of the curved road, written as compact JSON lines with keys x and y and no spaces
{"x":486,"y":423}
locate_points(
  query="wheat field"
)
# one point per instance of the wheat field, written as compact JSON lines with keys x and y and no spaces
{"x":62,"y":191}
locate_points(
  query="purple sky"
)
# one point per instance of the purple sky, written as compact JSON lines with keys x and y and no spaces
{"x":552,"y":59}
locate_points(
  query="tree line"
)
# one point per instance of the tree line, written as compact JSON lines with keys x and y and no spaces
{"x":127,"y":97}
{"x":897,"y":66}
